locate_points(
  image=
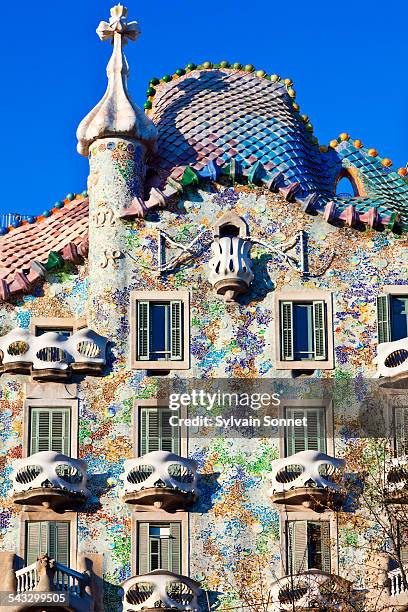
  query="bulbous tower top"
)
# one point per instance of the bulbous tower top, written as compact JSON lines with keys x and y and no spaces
{"x":116,"y":114}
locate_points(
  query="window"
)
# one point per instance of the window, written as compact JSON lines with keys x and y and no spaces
{"x":308,"y":546}
{"x":401,"y":430}
{"x":66,"y":332}
{"x":309,"y":437}
{"x":50,"y":537}
{"x":155,"y":431}
{"x":345,"y":188}
{"x":61,"y":325}
{"x":160,"y":330}
{"x":403,"y":541}
{"x":304,"y":338}
{"x":303,"y":331}
{"x":392,"y":317}
{"x":159,"y":547}
{"x":50,"y":429}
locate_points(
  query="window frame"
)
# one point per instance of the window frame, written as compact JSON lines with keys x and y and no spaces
{"x":138,"y":404}
{"x":389,"y":291}
{"x":50,"y":515}
{"x":326,"y":405}
{"x":160,"y":296}
{"x":158,"y":517}
{"x":51,"y":403}
{"x":309,"y":515}
{"x":302,"y":296}
{"x":55,"y":323}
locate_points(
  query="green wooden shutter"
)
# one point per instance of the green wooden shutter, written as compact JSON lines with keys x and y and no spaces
{"x":50,"y":430}
{"x":175,"y":548}
{"x":143,"y":549}
{"x":296,"y":542}
{"x":383,"y":319}
{"x":325,"y":546}
{"x":156,"y":433}
{"x":319,"y":330}
{"x":316,"y":429}
{"x":176,"y":330}
{"x":401,"y":429}
{"x":286,"y":330}
{"x":169,"y":436}
{"x":33,"y":542}
{"x":143,"y":331}
{"x":312,"y":437}
{"x":47,"y":537}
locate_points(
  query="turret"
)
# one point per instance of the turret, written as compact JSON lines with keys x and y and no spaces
{"x":118,"y":138}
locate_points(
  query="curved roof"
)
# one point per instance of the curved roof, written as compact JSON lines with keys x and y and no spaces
{"x":217,"y":114}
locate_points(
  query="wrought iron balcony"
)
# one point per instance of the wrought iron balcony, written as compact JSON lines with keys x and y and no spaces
{"x":310,"y":479}
{"x":49,"y":479}
{"x":397,"y":481}
{"x":160,"y":480}
{"x":392,"y":358}
{"x":230,"y":266}
{"x":160,"y":589}
{"x":52,"y":356}
{"x":311,"y":590}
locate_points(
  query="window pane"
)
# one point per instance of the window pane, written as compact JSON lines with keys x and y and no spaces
{"x":66,"y":332}
{"x":303,"y":331}
{"x":159,"y":330}
{"x":314,"y":538}
{"x":399,"y":317}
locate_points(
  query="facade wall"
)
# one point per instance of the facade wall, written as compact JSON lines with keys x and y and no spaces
{"x":227,"y":340}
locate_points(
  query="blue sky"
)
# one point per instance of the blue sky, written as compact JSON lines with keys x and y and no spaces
{"x":348,"y":63}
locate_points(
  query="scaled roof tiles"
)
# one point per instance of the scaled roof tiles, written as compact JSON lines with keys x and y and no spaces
{"x":28,"y":252}
{"x":232,"y":121}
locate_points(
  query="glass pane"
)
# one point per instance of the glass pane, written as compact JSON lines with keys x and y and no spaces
{"x":399,"y":317}
{"x":159,"y":331}
{"x":303,"y":342}
{"x":66,"y":332}
{"x":314,"y":538}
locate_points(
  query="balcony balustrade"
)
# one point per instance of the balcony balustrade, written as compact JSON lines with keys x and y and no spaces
{"x":397,"y":587}
{"x":312,"y":590}
{"x":160,"y":480}
{"x":52,"y":356}
{"x":309,"y":479}
{"x":49,"y":479}
{"x":160,"y":589}
{"x":392,"y":358}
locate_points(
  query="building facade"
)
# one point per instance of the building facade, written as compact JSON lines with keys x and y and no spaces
{"x":214,"y":243}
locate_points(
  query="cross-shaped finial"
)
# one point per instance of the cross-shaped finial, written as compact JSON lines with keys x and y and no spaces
{"x":118,"y":25}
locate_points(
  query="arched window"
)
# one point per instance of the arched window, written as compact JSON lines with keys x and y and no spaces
{"x":346,"y":187}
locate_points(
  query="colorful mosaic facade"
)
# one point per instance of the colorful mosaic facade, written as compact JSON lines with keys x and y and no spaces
{"x":219,"y":123}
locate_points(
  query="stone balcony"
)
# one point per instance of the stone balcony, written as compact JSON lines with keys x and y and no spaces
{"x":52,"y":356}
{"x":160,"y":480}
{"x":392,"y":358}
{"x":309,"y":479}
{"x":50,"y":480}
{"x":51,"y":586}
{"x":397,"y":481}
{"x":312,"y":590}
{"x":398,"y":592}
{"x":160,"y":589}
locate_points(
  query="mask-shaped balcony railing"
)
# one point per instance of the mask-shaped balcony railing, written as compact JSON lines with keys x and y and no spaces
{"x":52,"y":356}
{"x":397,"y":481}
{"x":160,"y":480}
{"x":310,"y":590}
{"x":392,"y":358}
{"x":49,"y":479}
{"x":310,"y":479}
{"x":397,"y":587}
{"x":160,"y":589}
